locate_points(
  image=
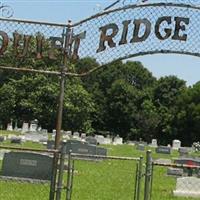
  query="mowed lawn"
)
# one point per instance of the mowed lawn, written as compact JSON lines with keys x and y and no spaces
{"x":99,"y":180}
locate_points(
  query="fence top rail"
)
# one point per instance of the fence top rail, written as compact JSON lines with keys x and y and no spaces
{"x":76,"y":156}
{"x":29,"y":149}
{"x":32,"y":22}
{"x":177,"y":165}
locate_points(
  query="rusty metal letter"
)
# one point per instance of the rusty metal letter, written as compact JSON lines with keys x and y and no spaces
{"x":180,"y":27}
{"x":109,"y":38}
{"x":4,"y":42}
{"x":76,"y":40}
{"x":147,"y":31}
{"x":39,"y":39}
{"x":168,"y":31}
{"x":17,"y":38}
{"x":125,"y":32}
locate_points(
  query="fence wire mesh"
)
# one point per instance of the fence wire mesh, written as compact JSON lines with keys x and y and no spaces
{"x":104,"y":178}
{"x":169,"y":27}
{"x":152,"y":44}
{"x":20,"y":175}
{"x":182,"y":180}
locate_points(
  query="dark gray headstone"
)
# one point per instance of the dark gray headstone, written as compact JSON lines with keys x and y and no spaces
{"x":91,"y":140}
{"x":80,"y":147}
{"x":140,"y":147}
{"x":174,"y":171}
{"x":15,"y":140}
{"x":163,"y":150}
{"x":183,"y":151}
{"x":1,"y":138}
{"x":27,"y":165}
{"x":50,"y":144}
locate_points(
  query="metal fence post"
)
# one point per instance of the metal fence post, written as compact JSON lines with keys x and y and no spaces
{"x":72,"y":179}
{"x":148,"y":174}
{"x":61,"y":171}
{"x":68,"y":196}
{"x":139,"y":178}
{"x":54,"y":176}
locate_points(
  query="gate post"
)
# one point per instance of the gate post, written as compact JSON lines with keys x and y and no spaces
{"x":148,"y":174}
{"x":68,"y":194}
{"x":138,"y":179}
{"x":61,"y":171}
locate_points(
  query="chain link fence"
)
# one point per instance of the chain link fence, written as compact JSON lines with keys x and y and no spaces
{"x":104,"y":177}
{"x":182,"y":180}
{"x":121,"y":33}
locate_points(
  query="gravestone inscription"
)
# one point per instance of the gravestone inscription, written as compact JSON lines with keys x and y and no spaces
{"x":27,"y":165}
{"x":163,"y":150}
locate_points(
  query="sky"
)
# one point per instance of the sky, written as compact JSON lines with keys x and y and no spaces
{"x":184,"y":67}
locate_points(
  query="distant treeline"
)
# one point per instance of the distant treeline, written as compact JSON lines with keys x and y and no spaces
{"x":119,"y":99}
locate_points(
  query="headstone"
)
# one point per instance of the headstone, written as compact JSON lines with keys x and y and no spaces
{"x":34,"y":125}
{"x":81,"y":147}
{"x":76,"y":135}
{"x":44,"y":131}
{"x":9,"y":127}
{"x":191,"y":163}
{"x":2,"y":138}
{"x":140,"y":147}
{"x":36,"y":137}
{"x":183,"y":151}
{"x":132,"y":143}
{"x":16,"y":127}
{"x":174,"y":171}
{"x":15,"y":140}
{"x":117,"y":140}
{"x":25,"y":127}
{"x":188,"y":161}
{"x":153,"y":143}
{"x":163,"y":150}
{"x":27,"y":165}
{"x":163,"y":161}
{"x":83,"y":136}
{"x":187,"y":187}
{"x":100,"y":139}
{"x":108,"y":140}
{"x":2,"y":152}
{"x":50,"y":144}
{"x":91,"y":140}
{"x":54,"y":132}
{"x":176,"y":144}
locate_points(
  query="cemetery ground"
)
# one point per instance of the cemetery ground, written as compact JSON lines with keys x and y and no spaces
{"x":100,"y":180}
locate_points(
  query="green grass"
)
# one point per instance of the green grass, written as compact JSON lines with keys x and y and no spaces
{"x":100,"y":180}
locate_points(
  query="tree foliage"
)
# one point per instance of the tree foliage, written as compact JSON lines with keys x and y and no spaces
{"x":122,"y":98}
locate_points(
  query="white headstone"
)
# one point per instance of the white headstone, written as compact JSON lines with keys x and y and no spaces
{"x":25,"y":127}
{"x":9,"y":127}
{"x":33,"y":127}
{"x":83,"y":136}
{"x":153,"y":143}
{"x":118,"y":140}
{"x":187,"y":187}
{"x":76,"y":135}
{"x":100,"y":139}
{"x":176,"y":144}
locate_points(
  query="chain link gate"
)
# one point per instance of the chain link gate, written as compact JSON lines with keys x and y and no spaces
{"x":92,"y":162}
